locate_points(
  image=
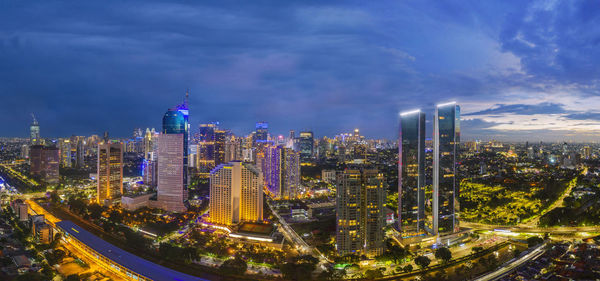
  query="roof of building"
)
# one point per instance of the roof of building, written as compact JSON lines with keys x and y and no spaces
{"x":122,"y":257}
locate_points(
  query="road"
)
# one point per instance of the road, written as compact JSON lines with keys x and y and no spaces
{"x":290,"y":234}
{"x":506,"y":269}
{"x":532,"y":229}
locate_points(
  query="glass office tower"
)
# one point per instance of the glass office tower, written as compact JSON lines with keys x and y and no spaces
{"x":175,"y":121}
{"x":446,"y":131}
{"x":411,"y":171}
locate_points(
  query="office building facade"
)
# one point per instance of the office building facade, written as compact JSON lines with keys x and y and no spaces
{"x":236,"y":194}
{"x":411,"y":171}
{"x":281,"y":169}
{"x":110,"y":171}
{"x":446,"y":133}
{"x":360,"y":221}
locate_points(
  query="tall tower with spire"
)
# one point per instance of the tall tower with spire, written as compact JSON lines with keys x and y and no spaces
{"x":173,"y":158}
{"x":34,"y":132}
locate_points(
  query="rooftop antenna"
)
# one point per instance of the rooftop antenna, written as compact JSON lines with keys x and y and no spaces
{"x":35,"y":122}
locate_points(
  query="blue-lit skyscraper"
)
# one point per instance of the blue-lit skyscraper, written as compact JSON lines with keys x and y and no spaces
{"x":173,"y":159}
{"x":411,"y":171}
{"x":306,"y":146}
{"x":446,"y":137}
{"x":262,"y":132}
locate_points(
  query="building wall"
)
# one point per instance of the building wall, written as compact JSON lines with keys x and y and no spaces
{"x":171,"y":194}
{"x":110,"y":171}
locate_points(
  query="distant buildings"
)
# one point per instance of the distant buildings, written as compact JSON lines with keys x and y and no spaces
{"x":44,"y":163}
{"x":328,"y":176}
{"x":110,"y":171}
{"x":236,"y":194}
{"x":411,"y":171}
{"x":306,"y":146}
{"x":281,"y":170}
{"x":446,"y":133}
{"x":360,"y":212}
{"x":20,"y":209}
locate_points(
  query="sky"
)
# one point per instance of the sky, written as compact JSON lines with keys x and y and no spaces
{"x":520,"y":70}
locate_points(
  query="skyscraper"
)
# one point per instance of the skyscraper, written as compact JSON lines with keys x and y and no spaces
{"x":236,"y":194}
{"x":44,"y":163}
{"x":211,"y":148}
{"x":411,"y":171}
{"x":281,"y":169}
{"x":173,"y":159}
{"x":110,"y":171}
{"x":446,"y":133}
{"x":64,"y":146}
{"x":305,"y":146}
{"x":262,"y":132}
{"x":360,"y":221}
{"x":171,"y":193}
{"x":34,"y":132}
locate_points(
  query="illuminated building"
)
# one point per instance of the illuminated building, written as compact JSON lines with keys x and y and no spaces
{"x":172,"y":165}
{"x":24,"y":151}
{"x":20,"y":209}
{"x":171,"y":193}
{"x":446,"y":133}
{"x":206,"y":149}
{"x":64,"y":146}
{"x":305,"y":146}
{"x":360,"y":219}
{"x":236,"y":194}
{"x":262,"y":132}
{"x":328,"y":176}
{"x":233,"y":149}
{"x":175,"y":121}
{"x":411,"y":170}
{"x":587,"y":152}
{"x":281,"y":169}
{"x":34,"y":132}
{"x":44,"y":162}
{"x":211,"y":148}
{"x":110,"y":171}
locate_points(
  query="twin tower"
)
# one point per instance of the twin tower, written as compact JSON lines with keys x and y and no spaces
{"x":424,"y":210}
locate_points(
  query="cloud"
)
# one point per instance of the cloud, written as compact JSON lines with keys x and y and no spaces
{"x":522,"y":109}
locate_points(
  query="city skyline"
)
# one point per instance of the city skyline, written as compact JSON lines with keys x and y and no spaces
{"x":353,"y":65}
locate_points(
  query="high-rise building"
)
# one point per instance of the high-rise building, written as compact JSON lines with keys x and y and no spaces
{"x":262,"y":132}
{"x":174,"y":190}
{"x":411,"y":171}
{"x":281,"y":170}
{"x":236,"y":194}
{"x":206,"y":149}
{"x":233,"y":148}
{"x":171,"y":193}
{"x":110,"y":171}
{"x":44,"y":162}
{"x":211,"y":148}
{"x":64,"y":147}
{"x":360,"y":205}
{"x":34,"y":132}
{"x":305,"y":146}
{"x":446,"y":133}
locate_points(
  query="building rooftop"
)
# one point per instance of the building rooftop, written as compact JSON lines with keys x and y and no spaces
{"x":132,"y":262}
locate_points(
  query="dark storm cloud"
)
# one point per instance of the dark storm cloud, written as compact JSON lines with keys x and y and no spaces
{"x":86,"y":67}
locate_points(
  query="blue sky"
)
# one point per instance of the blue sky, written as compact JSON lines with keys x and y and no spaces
{"x":520,"y":70}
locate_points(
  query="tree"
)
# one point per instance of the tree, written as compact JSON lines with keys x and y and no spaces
{"x":373,"y":274}
{"x":422,"y":261}
{"x":30,"y":276}
{"x":299,"y":268}
{"x":534,"y":240}
{"x":95,"y":211}
{"x":408,"y":268}
{"x":443,"y":254}
{"x":235,"y":266}
{"x":476,"y":249}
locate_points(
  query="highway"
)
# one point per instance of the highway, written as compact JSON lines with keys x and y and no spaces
{"x":290,"y":234}
{"x":506,"y":269}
